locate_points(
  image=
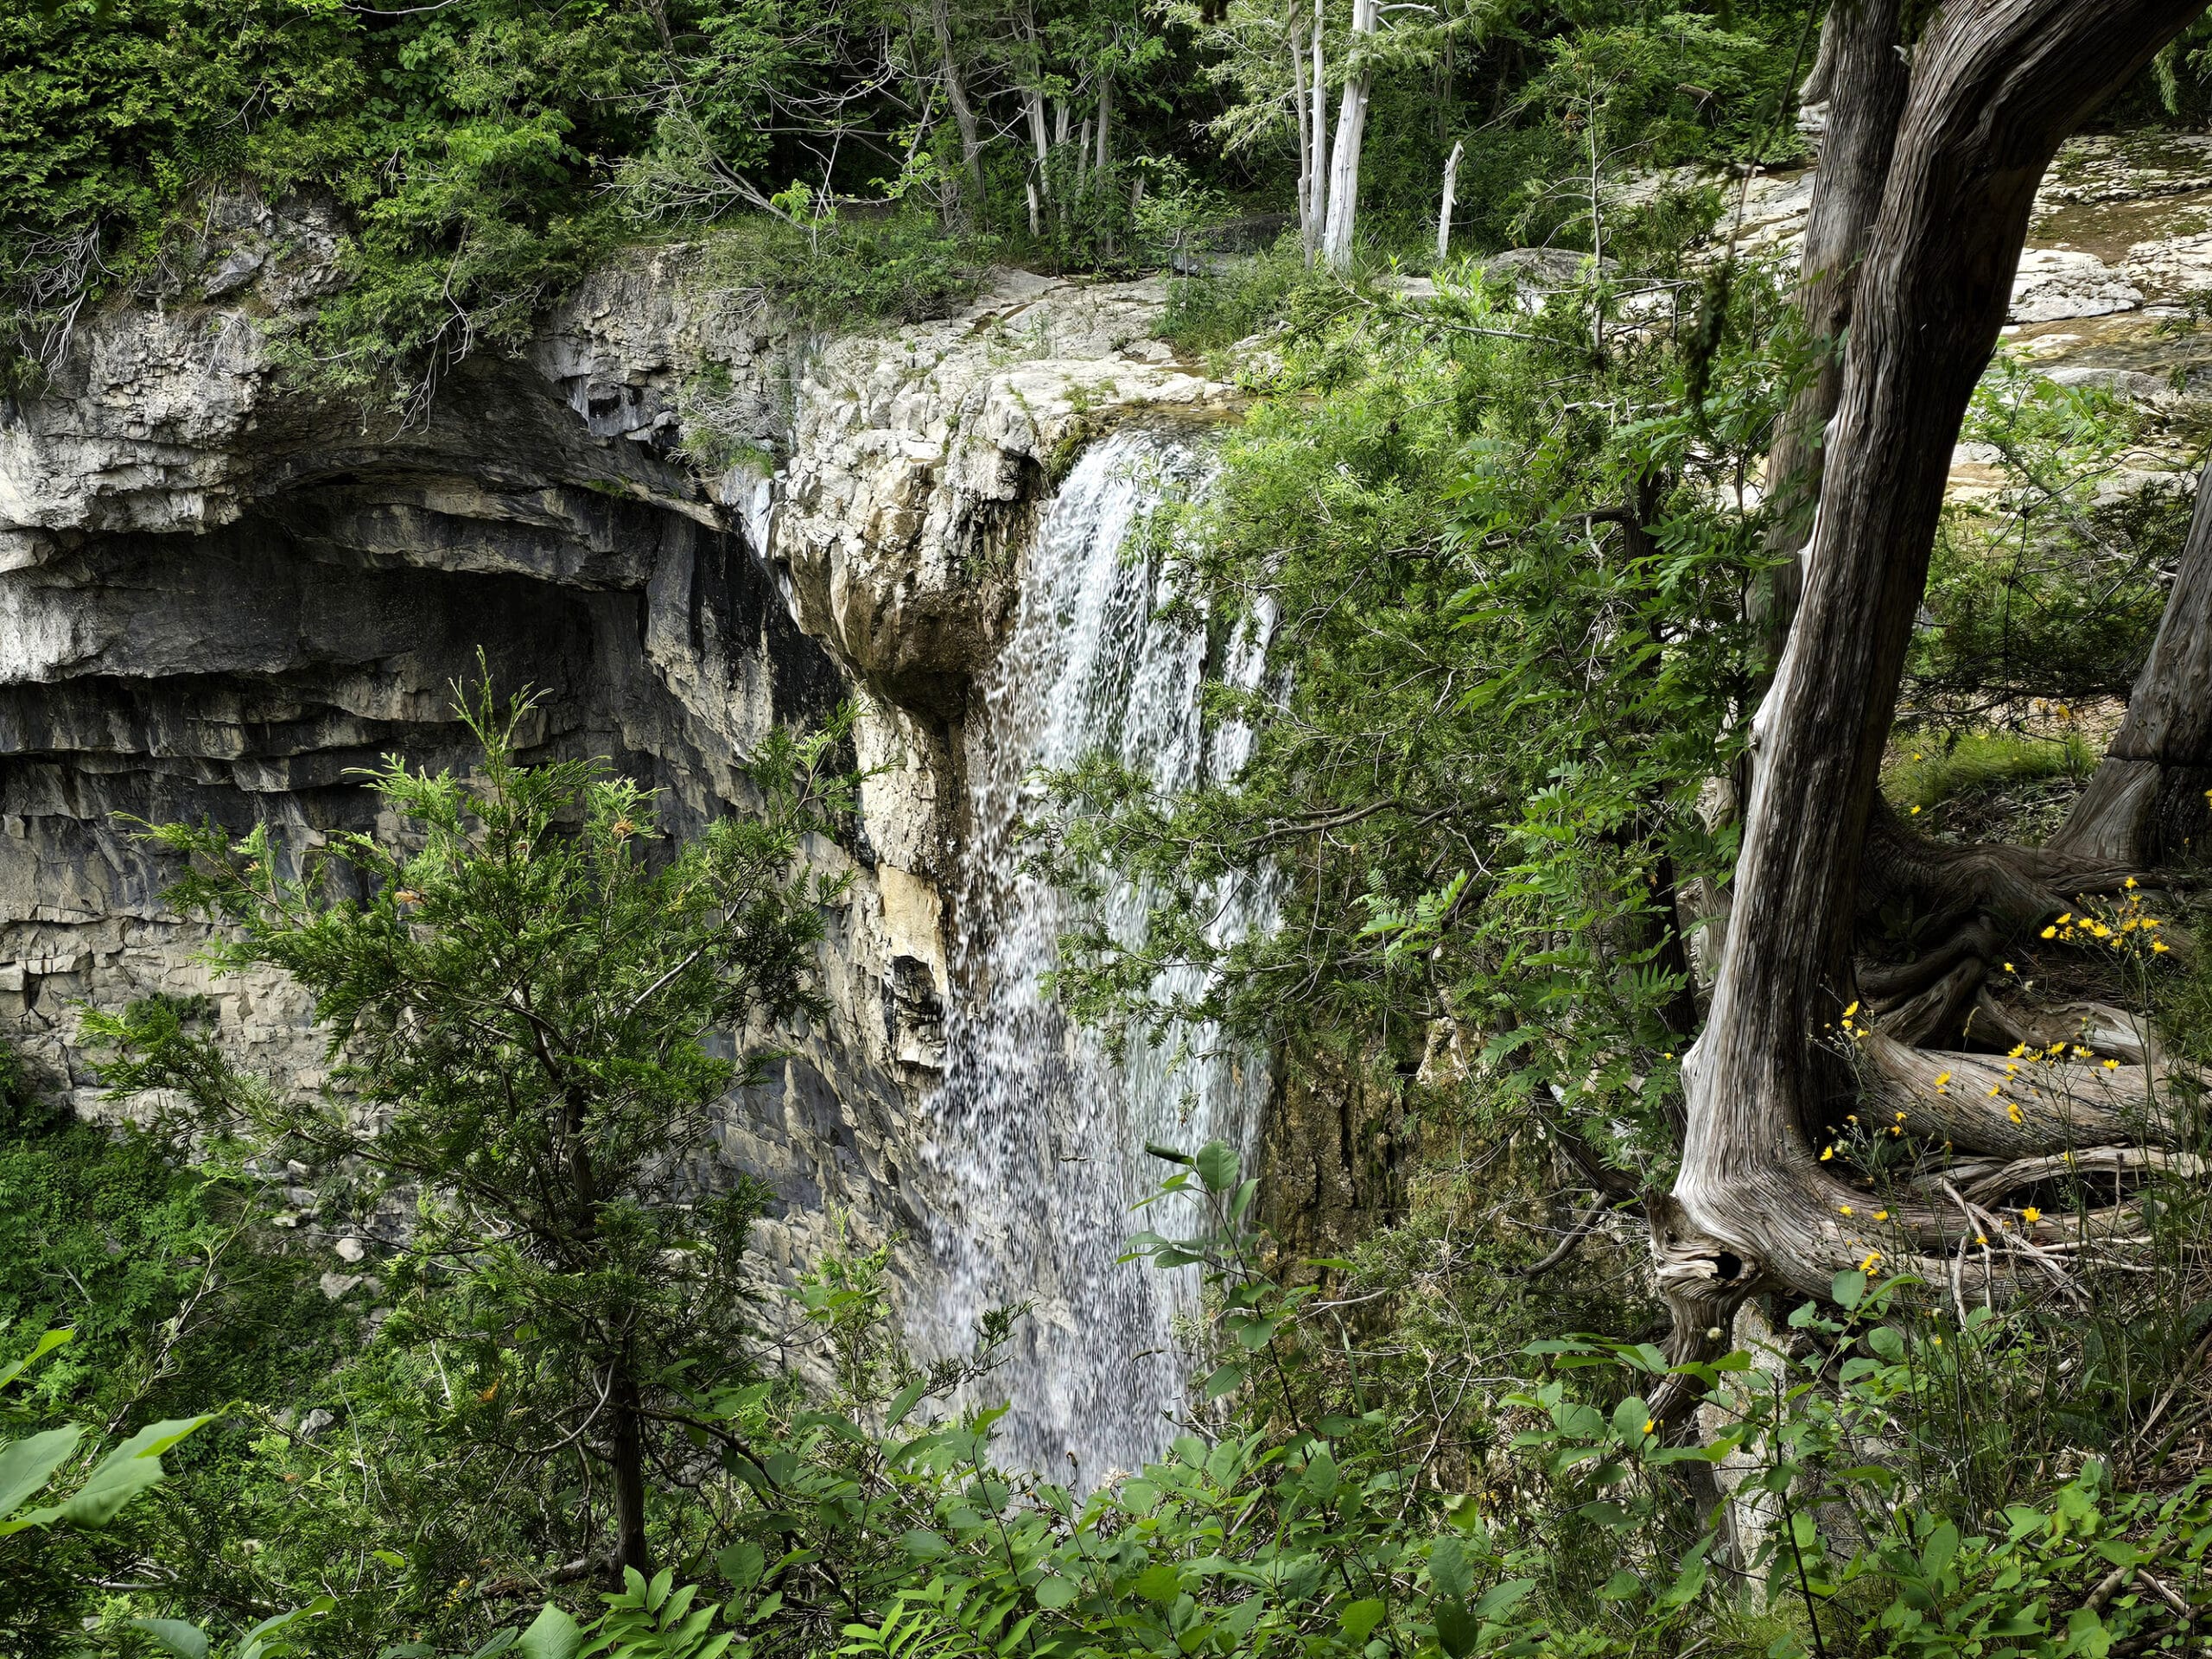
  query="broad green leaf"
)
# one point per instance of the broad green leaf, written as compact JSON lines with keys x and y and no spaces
{"x":175,"y":1635}
{"x":126,"y":1471}
{"x":1225,"y":1380}
{"x":47,"y":1344}
{"x":552,"y":1634}
{"x":1320,"y":1478}
{"x":27,"y":1464}
{"x":1448,"y":1570}
{"x":1848,"y":1289}
{"x":1161,"y":1582}
{"x":1500,"y":1598}
{"x":1054,"y":1591}
{"x":742,"y":1564}
{"x":1217,"y":1166}
{"x":1456,"y":1629}
{"x":1361,"y":1618}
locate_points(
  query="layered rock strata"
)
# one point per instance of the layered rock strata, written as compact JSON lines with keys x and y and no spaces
{"x":679,"y":518}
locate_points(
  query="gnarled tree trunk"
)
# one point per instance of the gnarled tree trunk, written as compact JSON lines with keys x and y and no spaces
{"x":2146,"y":802}
{"x":1997,"y":85}
{"x":1861,"y":77}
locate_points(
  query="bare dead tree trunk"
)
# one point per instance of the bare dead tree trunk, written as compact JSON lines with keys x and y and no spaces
{"x":1861,"y":76}
{"x":1997,"y":85}
{"x":2146,"y":804}
{"x":1033,"y":105}
{"x":1352,"y":126}
{"x":1321,"y":134}
{"x":1308,"y":227}
{"x":1443,"y":209}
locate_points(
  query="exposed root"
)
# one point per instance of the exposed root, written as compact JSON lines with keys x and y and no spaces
{"x":2009,"y":890}
{"x":1987,"y":1180}
{"x":2026,"y":1107}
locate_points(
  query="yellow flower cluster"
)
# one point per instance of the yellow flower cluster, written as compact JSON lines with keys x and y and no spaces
{"x":2125,"y":928}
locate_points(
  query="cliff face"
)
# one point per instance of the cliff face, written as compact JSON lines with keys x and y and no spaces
{"x":678,"y":517}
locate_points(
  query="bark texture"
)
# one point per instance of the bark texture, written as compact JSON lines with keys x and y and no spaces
{"x":1352,"y":127}
{"x":1861,"y":76}
{"x":2146,"y":804}
{"x":1996,"y":86}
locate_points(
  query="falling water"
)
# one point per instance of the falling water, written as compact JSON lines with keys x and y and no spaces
{"x":1039,"y":1134}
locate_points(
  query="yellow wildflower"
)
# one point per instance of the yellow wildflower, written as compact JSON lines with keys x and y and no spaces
{"x":1853,"y":1009}
{"x":2050,"y":932}
{"x":1881,"y":1214}
{"x":2031,"y":1215}
{"x":1843,"y":1209}
{"x":1651,"y":1423}
{"x":1827,"y":1152}
{"x":2014,"y":1112}
{"x":2112,"y":1066}
{"x":1867,"y":1266}
{"x":1942,"y":1078}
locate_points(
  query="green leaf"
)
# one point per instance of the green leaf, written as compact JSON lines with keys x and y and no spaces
{"x":47,"y":1344}
{"x":742,"y":1564}
{"x":1225,"y":1380}
{"x":175,"y":1635}
{"x":1217,"y":1166}
{"x":1448,"y":1570}
{"x":1161,"y":1582}
{"x":1456,"y":1629}
{"x":1936,"y":1555}
{"x":552,"y":1634}
{"x":1054,"y":1591}
{"x":1320,"y":1478}
{"x":27,"y":1464}
{"x":903,"y":1402}
{"x":1848,"y":1289}
{"x":1361,"y":1618}
{"x":126,"y":1471}
{"x":1500,"y":1598}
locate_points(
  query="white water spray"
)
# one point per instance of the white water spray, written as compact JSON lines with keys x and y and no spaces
{"x":1038,"y":1137}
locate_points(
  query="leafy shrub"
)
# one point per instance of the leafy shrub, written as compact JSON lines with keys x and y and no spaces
{"x":901,"y":268}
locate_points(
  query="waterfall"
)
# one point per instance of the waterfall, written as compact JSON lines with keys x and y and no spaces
{"x":1038,"y":1135}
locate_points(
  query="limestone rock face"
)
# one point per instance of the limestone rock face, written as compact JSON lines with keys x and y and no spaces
{"x":2053,"y":284}
{"x":679,"y":516}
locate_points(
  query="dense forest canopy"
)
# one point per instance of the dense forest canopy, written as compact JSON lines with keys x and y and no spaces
{"x":1736,"y":903}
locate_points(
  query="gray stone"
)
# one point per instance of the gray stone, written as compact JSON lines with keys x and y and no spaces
{"x":681,"y":518}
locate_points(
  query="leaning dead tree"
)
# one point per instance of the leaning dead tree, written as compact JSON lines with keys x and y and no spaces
{"x":1996,"y":85}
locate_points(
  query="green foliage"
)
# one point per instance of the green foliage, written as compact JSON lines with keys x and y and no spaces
{"x":1479,"y":806}
{"x":1208,"y":312}
{"x":516,"y":989}
{"x":1970,"y":762}
{"x":840,"y":271}
{"x":2047,"y":588}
